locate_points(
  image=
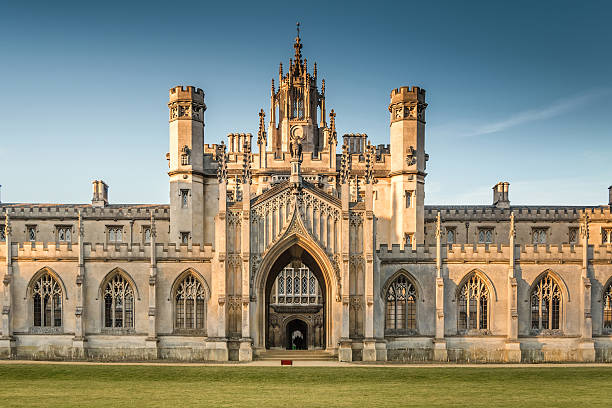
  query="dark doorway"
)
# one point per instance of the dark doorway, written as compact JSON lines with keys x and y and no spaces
{"x":297,"y":335}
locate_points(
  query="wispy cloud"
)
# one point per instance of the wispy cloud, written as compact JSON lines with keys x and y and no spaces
{"x":555,"y":109}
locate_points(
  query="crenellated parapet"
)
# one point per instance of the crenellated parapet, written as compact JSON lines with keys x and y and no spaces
{"x":51,"y":251}
{"x":407,"y":103}
{"x":186,"y":103}
{"x":71,"y":211}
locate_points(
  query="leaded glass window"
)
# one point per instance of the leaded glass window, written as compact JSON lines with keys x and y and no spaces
{"x":115,"y":234}
{"x":607,"y":309}
{"x":47,"y":294}
{"x":313,"y":283}
{"x":401,"y":307}
{"x":118,"y":303}
{"x":606,"y":235}
{"x":485,"y":235}
{"x":190,"y":302}
{"x":473,"y":305}
{"x":573,"y":235}
{"x":545,"y":305}
{"x":450,"y":235}
{"x":539,"y":236}
{"x":147,"y":235}
{"x":281,"y":285}
{"x":2,"y":233}
{"x":32,"y":233}
{"x":64,"y":234}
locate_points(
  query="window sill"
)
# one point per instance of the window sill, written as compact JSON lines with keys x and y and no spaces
{"x":118,"y":331}
{"x":189,"y":332}
{"x":46,"y":330}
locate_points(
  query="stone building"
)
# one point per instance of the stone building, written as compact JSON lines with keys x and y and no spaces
{"x":278,"y":241}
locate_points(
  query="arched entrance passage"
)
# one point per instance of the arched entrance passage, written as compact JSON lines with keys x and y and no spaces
{"x":296,"y":334}
{"x":293,"y":250}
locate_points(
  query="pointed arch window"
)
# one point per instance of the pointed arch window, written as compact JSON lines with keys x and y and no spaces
{"x":190,"y":304}
{"x":118,"y":303}
{"x":47,"y":296}
{"x":473,"y":305}
{"x":607,"y":309}
{"x":401,"y":307}
{"x":545,"y":305}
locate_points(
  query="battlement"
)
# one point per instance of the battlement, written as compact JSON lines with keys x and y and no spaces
{"x":100,"y":251}
{"x":406,"y":93}
{"x":34,"y":211}
{"x":184,"y":93}
{"x":491,"y":213}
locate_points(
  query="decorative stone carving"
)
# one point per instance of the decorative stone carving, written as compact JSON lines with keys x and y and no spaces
{"x":345,"y":164}
{"x":411,"y":156}
{"x":222,"y":163}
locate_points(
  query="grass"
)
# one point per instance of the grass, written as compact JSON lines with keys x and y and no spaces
{"x":259,"y":387}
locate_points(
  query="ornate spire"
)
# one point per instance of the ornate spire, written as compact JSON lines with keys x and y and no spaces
{"x":512,"y":226}
{"x":333,"y":138}
{"x":261,"y":134}
{"x":246,"y":162}
{"x":222,"y":163}
{"x":369,"y":163}
{"x":345,"y":164}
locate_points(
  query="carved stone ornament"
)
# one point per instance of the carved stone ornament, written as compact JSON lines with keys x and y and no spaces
{"x":222,"y":163}
{"x":411,"y":156}
{"x":345,"y":164}
{"x":370,"y":157}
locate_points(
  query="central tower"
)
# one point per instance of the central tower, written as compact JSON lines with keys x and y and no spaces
{"x":293,"y":108}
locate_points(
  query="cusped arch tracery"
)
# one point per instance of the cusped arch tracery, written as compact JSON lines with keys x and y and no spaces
{"x":546,"y":298}
{"x":401,"y":294}
{"x":190,"y":294}
{"x":118,"y":292}
{"x":474,"y":294}
{"x":36,"y":277}
{"x":607,"y":306}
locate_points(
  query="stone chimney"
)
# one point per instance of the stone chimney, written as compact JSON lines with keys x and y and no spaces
{"x":100,"y":194}
{"x":500,"y":195}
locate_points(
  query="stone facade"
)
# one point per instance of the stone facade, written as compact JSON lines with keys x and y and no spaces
{"x":395,"y":279}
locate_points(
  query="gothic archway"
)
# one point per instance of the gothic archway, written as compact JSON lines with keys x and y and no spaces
{"x":293,"y":250}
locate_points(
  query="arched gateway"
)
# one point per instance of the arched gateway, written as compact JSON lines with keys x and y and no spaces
{"x":275,"y":322}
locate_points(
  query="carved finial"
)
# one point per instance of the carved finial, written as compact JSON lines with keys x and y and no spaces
{"x":153,"y":228}
{"x":439,"y":225}
{"x":584,"y":228}
{"x":261,"y":133}
{"x":333,"y":138}
{"x":280,"y":70}
{"x":315,"y":70}
{"x":7,"y":226}
{"x":345,"y":164}
{"x":370,"y":155}
{"x":222,"y":163}
{"x":273,"y":90}
{"x":246,"y":163}
{"x":512,"y":226}
{"x":323,"y":87}
{"x":297,"y":26}
{"x":81,"y":227}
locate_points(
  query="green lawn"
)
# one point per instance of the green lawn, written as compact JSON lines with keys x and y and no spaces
{"x":262,"y":387}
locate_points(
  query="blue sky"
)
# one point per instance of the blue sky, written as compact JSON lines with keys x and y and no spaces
{"x":518,"y":91}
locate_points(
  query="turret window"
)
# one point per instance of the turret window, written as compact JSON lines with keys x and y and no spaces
{"x":184,"y":198}
{"x":184,"y":237}
{"x":408,"y":199}
{"x":185,"y":156}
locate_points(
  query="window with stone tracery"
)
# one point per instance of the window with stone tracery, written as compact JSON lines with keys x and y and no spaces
{"x":118,"y":303}
{"x":473,"y":305}
{"x":190,"y":304}
{"x":485,"y":235}
{"x":296,"y":286}
{"x":545,"y":305}
{"x":450,"y":235}
{"x":115,"y":234}
{"x":64,"y":233}
{"x":607,"y":309}
{"x":401,"y":307}
{"x":47,"y":295}
{"x":538,"y":235}
{"x":2,"y":233}
{"x":606,"y":235}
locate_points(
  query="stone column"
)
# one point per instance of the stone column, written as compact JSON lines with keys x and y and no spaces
{"x":7,"y":343}
{"x":345,"y":352}
{"x":78,"y":342}
{"x":246,"y":350}
{"x":513,"y":347}
{"x":587,"y":345}
{"x":152,"y":340}
{"x":219,"y":337}
{"x":440,"y":353}
{"x":369,"y":343}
